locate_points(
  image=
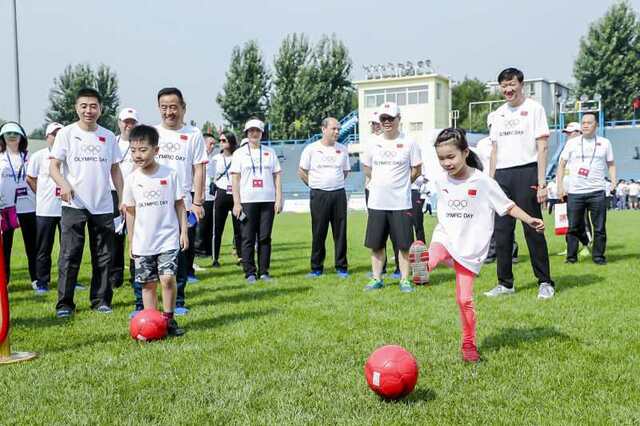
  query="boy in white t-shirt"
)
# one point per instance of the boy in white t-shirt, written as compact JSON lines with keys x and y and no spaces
{"x":157,"y":223}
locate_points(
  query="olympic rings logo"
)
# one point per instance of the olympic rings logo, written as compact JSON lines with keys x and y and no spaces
{"x":511,"y":123}
{"x":170,"y":147}
{"x":388,"y":154}
{"x":458,"y":204}
{"x":91,"y":149}
{"x":151,"y":194}
{"x":328,"y":159}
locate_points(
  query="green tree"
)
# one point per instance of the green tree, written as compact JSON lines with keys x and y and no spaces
{"x":38,"y":133}
{"x":472,"y":90}
{"x":289,"y":101}
{"x":209,"y":127}
{"x":329,"y":80}
{"x":608,"y":61}
{"x":62,"y":95}
{"x":246,"y":90}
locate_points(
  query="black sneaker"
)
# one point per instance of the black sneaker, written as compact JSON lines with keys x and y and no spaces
{"x":174,"y":330}
{"x":215,"y":264}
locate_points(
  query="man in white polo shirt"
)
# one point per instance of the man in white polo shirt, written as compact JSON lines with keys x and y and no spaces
{"x":518,"y":161}
{"x":182,"y":149}
{"x":392,"y":162}
{"x":483,"y":150}
{"x":127,"y":120}
{"x":48,"y":207}
{"x":90,"y":156}
{"x":324,"y":166}
{"x":588,"y":157}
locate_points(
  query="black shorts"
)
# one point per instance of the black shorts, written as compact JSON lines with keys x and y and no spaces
{"x":382,"y":223}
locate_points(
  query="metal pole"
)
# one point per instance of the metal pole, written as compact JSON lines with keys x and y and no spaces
{"x":17,"y":62}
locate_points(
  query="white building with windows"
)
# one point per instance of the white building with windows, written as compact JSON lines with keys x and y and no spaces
{"x":424,"y":102}
{"x":548,"y":93}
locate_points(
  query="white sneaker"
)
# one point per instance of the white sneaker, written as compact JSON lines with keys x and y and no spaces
{"x":34,"y":284}
{"x":197,"y":267}
{"x":546,"y":291}
{"x":499,"y":290}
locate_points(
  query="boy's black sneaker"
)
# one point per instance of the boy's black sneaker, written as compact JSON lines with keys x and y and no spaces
{"x":174,"y":330}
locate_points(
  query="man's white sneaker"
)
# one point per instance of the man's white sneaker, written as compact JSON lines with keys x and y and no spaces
{"x":546,"y":291}
{"x":500,"y":290}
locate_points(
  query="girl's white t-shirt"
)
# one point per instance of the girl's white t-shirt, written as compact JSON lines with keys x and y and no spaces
{"x":156,"y":227}
{"x":48,"y":201}
{"x":256,"y":167}
{"x":466,"y":214}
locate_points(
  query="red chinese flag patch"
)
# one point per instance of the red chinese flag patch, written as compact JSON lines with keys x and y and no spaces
{"x":337,"y":151}
{"x":163,"y":182}
{"x":399,"y":145}
{"x":266,"y":154}
{"x":102,"y":139}
{"x":184,"y":137}
{"x":473,"y":192}
{"x":524,"y":113}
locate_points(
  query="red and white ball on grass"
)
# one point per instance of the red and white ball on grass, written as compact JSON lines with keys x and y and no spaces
{"x":148,"y":325}
{"x":391,"y":371}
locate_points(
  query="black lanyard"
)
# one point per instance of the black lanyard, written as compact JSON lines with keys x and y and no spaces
{"x":595,"y":140}
{"x":226,"y":168}
{"x":253,"y":166}
{"x":20,"y":170}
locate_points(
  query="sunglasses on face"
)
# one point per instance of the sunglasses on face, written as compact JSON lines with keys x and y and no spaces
{"x":386,"y":118}
{"x":222,"y":140}
{"x":12,"y":135}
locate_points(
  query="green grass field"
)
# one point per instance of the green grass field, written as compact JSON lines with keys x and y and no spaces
{"x":292,"y":351}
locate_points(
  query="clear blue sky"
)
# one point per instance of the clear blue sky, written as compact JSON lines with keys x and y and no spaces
{"x":152,"y":44}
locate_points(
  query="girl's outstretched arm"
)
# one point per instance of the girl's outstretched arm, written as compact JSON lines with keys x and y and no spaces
{"x":533,"y":222}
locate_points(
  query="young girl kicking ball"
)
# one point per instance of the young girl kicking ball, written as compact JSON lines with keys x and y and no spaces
{"x":157,"y":222}
{"x":467,"y":201}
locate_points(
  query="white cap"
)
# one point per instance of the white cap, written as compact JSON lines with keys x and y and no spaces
{"x":374,"y":118}
{"x":11,"y":127}
{"x":490,"y":117}
{"x":572,"y":127}
{"x":389,"y":108}
{"x":52,"y":127}
{"x":128,"y":113}
{"x":254,"y":124}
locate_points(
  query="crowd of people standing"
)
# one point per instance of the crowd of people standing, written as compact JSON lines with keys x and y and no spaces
{"x":169,"y":189}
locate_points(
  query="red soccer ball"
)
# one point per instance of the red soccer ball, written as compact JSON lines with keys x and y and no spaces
{"x":391,"y":371}
{"x":148,"y":325}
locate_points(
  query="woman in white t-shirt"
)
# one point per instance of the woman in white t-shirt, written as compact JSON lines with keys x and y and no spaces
{"x":14,"y":160}
{"x":223,"y":203}
{"x":257,"y":197}
{"x":467,"y":201}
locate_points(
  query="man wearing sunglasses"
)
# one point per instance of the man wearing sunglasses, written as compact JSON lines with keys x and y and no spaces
{"x":392,"y":162}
